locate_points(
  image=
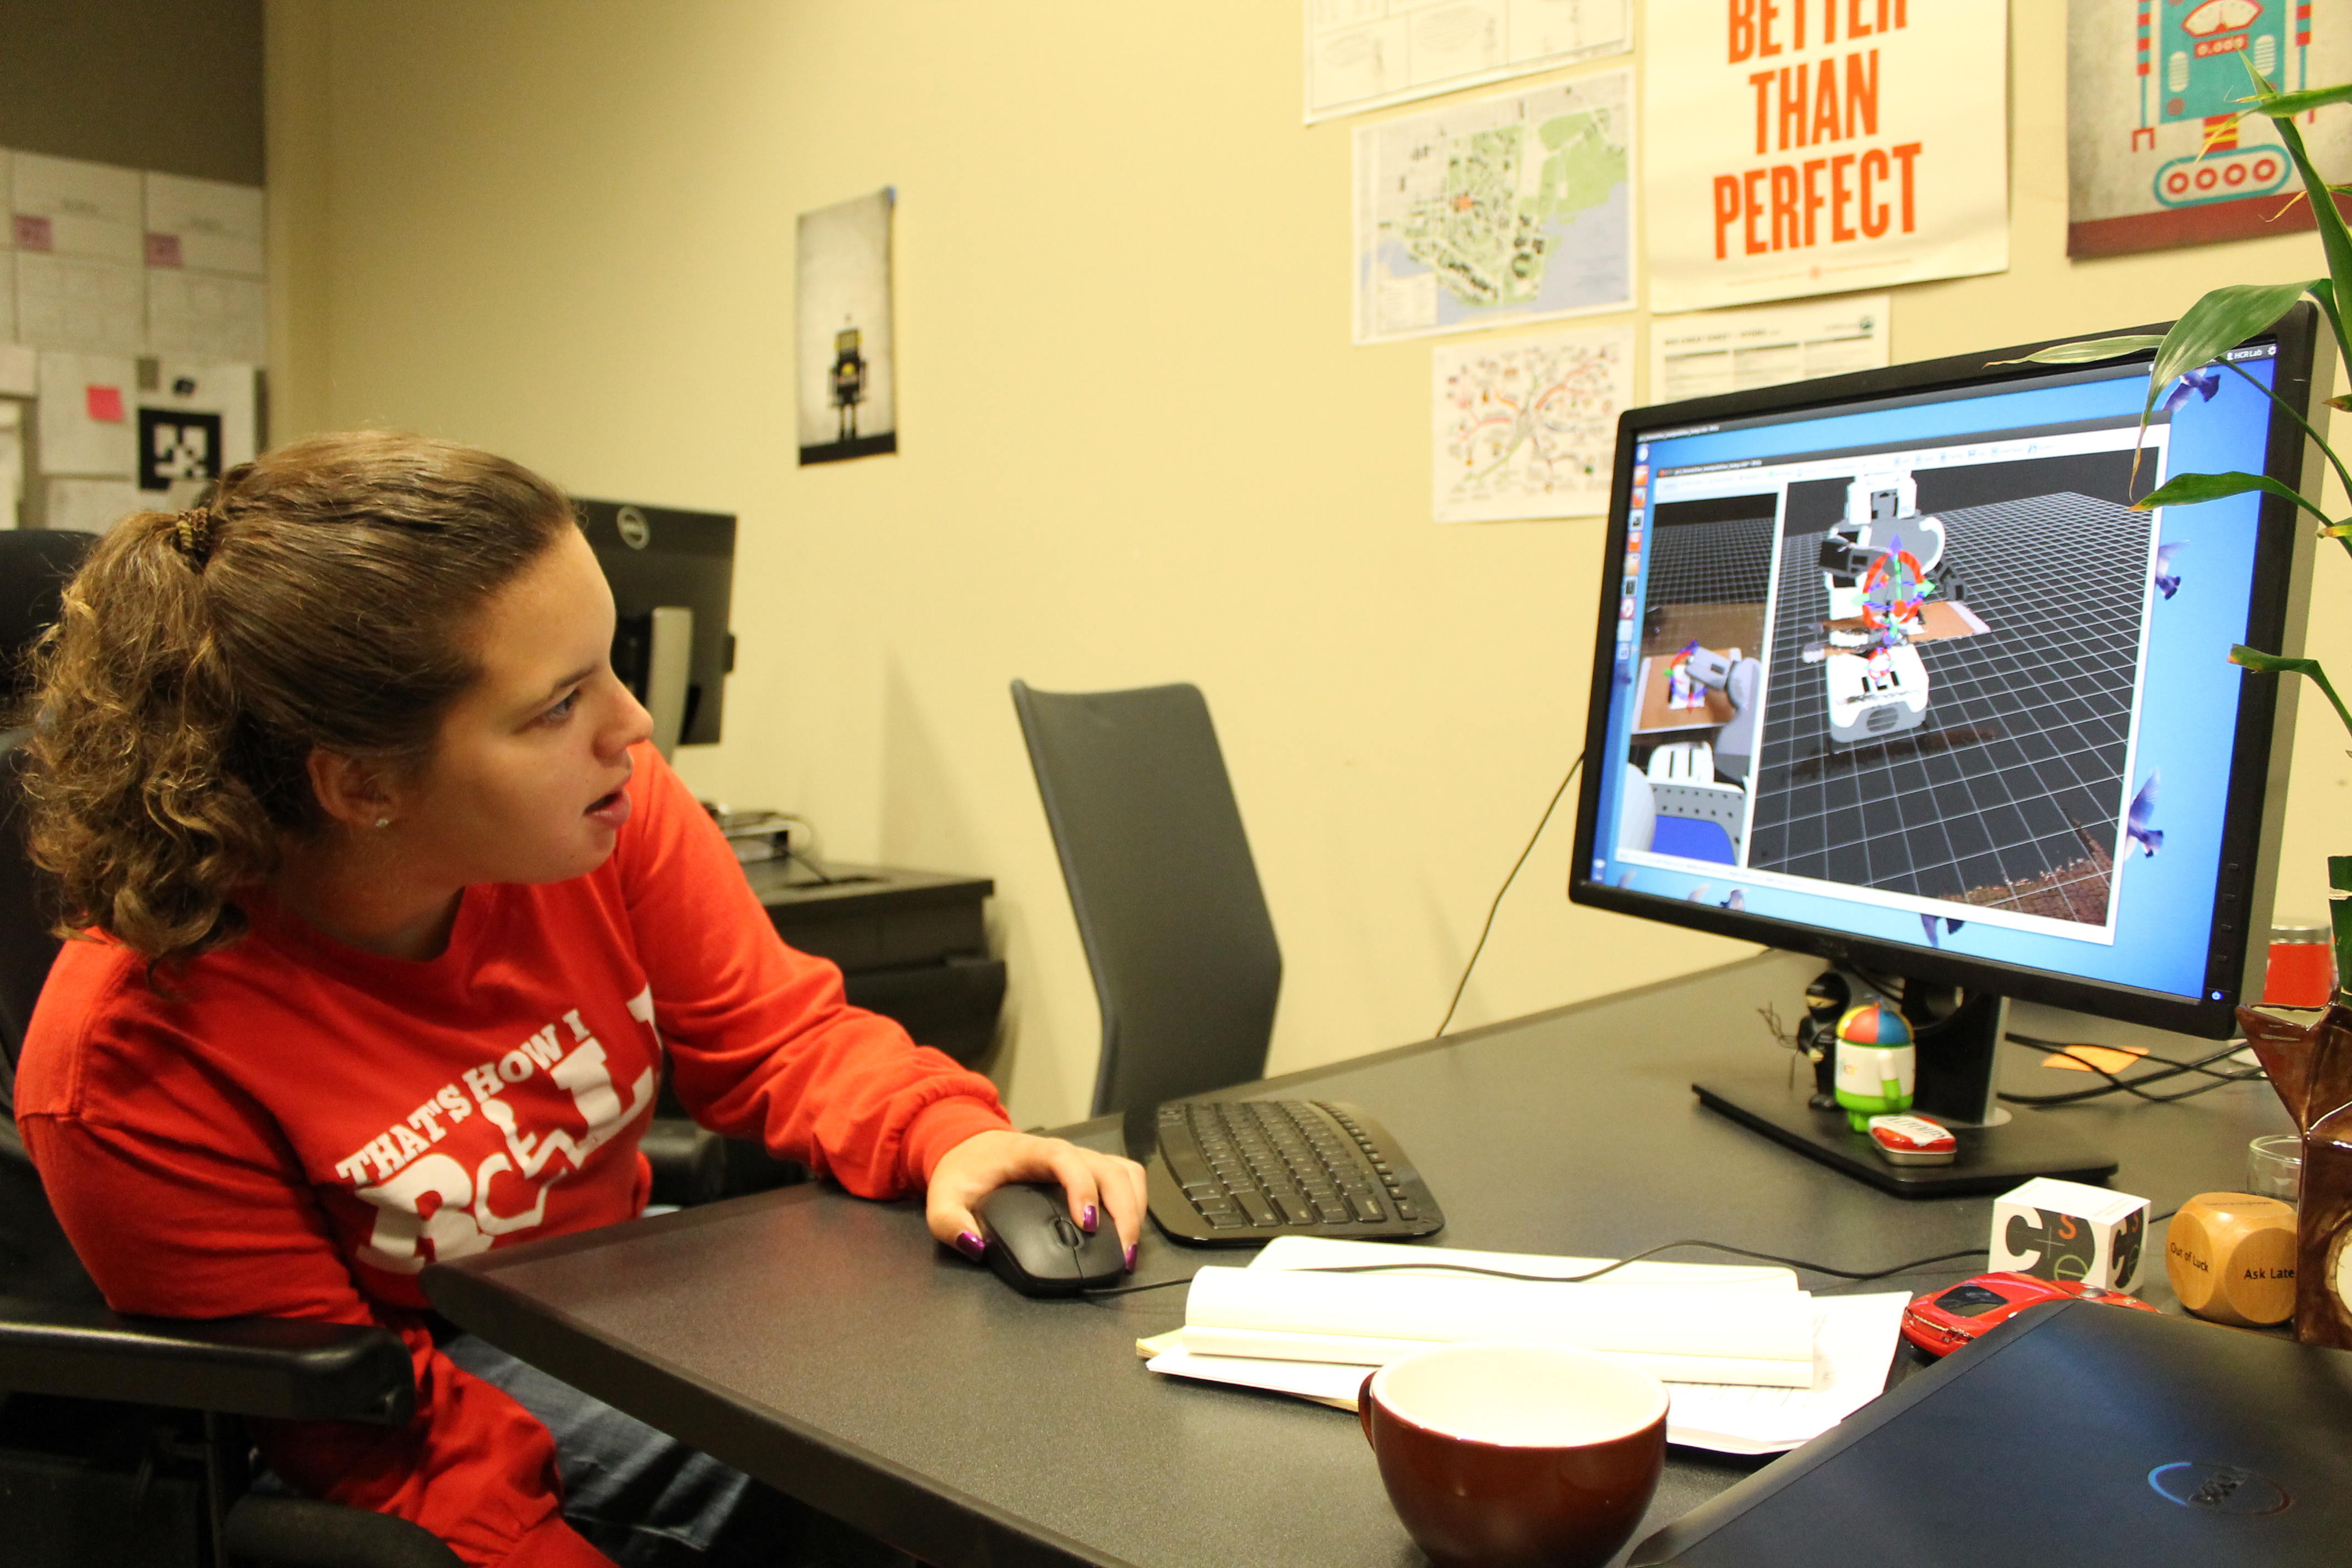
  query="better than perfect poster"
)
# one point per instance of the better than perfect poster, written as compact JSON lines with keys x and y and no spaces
{"x":1797,"y":147}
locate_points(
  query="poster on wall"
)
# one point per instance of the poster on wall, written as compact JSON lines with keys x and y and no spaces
{"x":1800,"y":147}
{"x":1527,"y":428}
{"x":2157,"y":155}
{"x":1731,"y":351}
{"x":1498,"y":212}
{"x":1369,"y":54}
{"x":848,"y":393}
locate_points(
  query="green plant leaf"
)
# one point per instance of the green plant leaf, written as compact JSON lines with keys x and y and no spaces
{"x":2262,"y":663}
{"x":2334,"y":240}
{"x":2341,"y":400}
{"x":2188,"y":490}
{"x":2087,"y":350}
{"x":2219,"y":321}
{"x":2284,"y":105}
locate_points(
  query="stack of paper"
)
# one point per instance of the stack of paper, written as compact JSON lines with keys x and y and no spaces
{"x":1752,"y":1365}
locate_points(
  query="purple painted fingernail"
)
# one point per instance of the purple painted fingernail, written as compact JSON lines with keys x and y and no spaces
{"x":1130,"y":1257}
{"x":970,"y":1245}
{"x":1088,"y":1219}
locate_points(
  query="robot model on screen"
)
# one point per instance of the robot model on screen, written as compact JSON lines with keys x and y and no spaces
{"x":849,"y":379}
{"x":1683,"y":687}
{"x":1877,"y":1064}
{"x":1876,"y":567}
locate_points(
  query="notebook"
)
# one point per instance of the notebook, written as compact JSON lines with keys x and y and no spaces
{"x":2075,"y":1434}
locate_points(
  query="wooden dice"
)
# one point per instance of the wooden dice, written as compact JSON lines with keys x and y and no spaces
{"x":2231,"y":1257}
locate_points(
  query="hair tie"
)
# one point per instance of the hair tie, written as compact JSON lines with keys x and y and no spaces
{"x":192,"y":534}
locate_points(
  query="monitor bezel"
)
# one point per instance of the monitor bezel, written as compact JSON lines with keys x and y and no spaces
{"x":2261,"y":745}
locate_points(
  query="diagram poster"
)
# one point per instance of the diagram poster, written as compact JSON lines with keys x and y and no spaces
{"x":1799,"y":147}
{"x":1369,"y":54}
{"x":848,"y":391}
{"x":1497,"y":212}
{"x":2157,"y":155}
{"x":1528,"y":427}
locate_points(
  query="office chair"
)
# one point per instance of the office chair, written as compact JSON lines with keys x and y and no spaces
{"x":1175,"y":925}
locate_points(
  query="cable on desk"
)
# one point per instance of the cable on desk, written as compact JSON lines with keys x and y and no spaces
{"x":1541,"y":823}
{"x":2135,"y":1086}
{"x":1856,"y":1276}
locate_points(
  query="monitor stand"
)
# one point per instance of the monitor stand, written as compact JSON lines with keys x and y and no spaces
{"x":1957,"y":1067}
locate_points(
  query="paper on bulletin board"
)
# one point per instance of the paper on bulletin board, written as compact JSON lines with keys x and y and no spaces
{"x":90,"y":506}
{"x":1800,"y":147}
{"x":207,"y":316}
{"x":79,"y":302}
{"x":1500,"y":211}
{"x":7,"y":296}
{"x":1527,"y":428}
{"x":68,"y":207}
{"x":1732,"y":350}
{"x":1369,"y":54}
{"x":12,"y":462}
{"x":86,"y":413}
{"x":211,"y":225}
{"x":2148,"y":86}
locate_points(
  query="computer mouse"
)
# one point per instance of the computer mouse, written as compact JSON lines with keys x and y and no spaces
{"x":1037,"y":1248}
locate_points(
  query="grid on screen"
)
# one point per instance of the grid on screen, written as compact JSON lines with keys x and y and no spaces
{"x":2009,"y":795}
{"x":1710,"y":563}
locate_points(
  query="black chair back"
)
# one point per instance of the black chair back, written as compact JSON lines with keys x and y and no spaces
{"x":1167,"y":897}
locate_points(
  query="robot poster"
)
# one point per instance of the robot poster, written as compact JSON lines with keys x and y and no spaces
{"x":2157,"y":155}
{"x":847,"y":390}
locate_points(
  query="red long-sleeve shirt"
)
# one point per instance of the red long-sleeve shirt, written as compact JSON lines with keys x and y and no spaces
{"x":293,"y":1128}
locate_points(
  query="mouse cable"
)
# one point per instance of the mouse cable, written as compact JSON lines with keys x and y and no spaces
{"x":1858,"y":1277}
{"x":2135,"y":1086}
{"x":1541,"y":822}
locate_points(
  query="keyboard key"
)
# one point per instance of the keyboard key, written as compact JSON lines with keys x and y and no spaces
{"x":1366,"y":1208}
{"x":1255,"y":1207}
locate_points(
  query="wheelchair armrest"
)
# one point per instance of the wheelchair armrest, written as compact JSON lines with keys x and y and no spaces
{"x":281,"y":1368}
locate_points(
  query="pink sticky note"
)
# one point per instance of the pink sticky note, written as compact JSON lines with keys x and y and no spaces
{"x":105,"y":404}
{"x":162,"y":250}
{"x":34,"y":233}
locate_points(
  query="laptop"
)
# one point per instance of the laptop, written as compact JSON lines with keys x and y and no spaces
{"x":2075,"y":1434}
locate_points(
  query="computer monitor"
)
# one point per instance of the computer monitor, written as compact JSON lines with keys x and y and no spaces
{"x":1890,"y":671}
{"x":672,"y":574}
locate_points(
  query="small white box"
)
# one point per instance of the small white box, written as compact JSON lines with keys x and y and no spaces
{"x":2065,"y":1230}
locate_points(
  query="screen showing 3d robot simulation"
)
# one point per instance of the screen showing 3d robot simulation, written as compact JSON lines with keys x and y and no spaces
{"x":1910,"y":668}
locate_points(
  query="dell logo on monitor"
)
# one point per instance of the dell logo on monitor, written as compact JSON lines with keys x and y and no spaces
{"x":636,"y":531}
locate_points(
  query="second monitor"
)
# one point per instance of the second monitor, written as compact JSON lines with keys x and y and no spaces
{"x":672,"y":574}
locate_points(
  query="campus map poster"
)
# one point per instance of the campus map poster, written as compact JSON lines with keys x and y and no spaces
{"x":1496,"y":213}
{"x":1528,"y":427}
{"x":2157,"y":155}
{"x":1797,"y":147}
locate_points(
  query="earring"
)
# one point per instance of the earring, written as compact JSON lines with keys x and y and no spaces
{"x":384,"y":822}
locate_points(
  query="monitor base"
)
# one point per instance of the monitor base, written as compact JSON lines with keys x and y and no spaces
{"x":1991,"y":1160}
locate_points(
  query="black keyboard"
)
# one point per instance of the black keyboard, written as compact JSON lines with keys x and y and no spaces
{"x":1235,"y":1172}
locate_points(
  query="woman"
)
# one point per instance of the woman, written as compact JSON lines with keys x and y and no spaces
{"x":394,"y":918}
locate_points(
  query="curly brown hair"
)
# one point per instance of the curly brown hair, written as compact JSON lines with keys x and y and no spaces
{"x":322,"y":598}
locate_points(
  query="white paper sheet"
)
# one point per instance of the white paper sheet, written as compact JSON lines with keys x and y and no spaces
{"x":7,"y":296}
{"x":1365,"y":54}
{"x":20,"y":373}
{"x":12,"y":461}
{"x":1527,"y":428}
{"x":77,"y":433}
{"x":206,"y":225}
{"x":92,"y":506}
{"x":1732,"y":350}
{"x":78,"y":302}
{"x":207,"y":316}
{"x":1854,"y":1344}
{"x":78,"y":208}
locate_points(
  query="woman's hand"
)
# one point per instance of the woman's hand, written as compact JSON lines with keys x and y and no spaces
{"x":1097,"y":1186}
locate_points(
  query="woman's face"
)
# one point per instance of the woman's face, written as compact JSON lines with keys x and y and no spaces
{"x":525,"y":781}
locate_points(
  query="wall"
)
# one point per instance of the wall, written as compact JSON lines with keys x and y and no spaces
{"x":1136,"y":444}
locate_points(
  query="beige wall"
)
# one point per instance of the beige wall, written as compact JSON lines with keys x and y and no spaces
{"x":1138,"y":446}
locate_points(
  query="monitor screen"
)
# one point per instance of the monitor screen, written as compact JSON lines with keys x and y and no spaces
{"x":665,"y":559}
{"x":1891,"y":670}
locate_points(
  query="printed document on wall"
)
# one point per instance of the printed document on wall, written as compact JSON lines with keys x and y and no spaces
{"x":1732,"y":350}
{"x":1500,"y":211}
{"x":1369,"y":54}
{"x":1800,"y":147}
{"x":1528,"y":427}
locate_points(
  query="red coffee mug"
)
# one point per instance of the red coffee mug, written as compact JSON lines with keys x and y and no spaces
{"x":1516,"y":1455}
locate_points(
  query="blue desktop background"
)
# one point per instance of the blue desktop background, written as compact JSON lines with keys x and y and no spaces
{"x":2188,"y":704}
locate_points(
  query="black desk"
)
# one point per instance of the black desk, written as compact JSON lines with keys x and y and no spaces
{"x":828,"y":1345}
{"x":912,"y":945}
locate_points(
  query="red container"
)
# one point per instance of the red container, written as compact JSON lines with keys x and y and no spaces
{"x":2303,"y":966}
